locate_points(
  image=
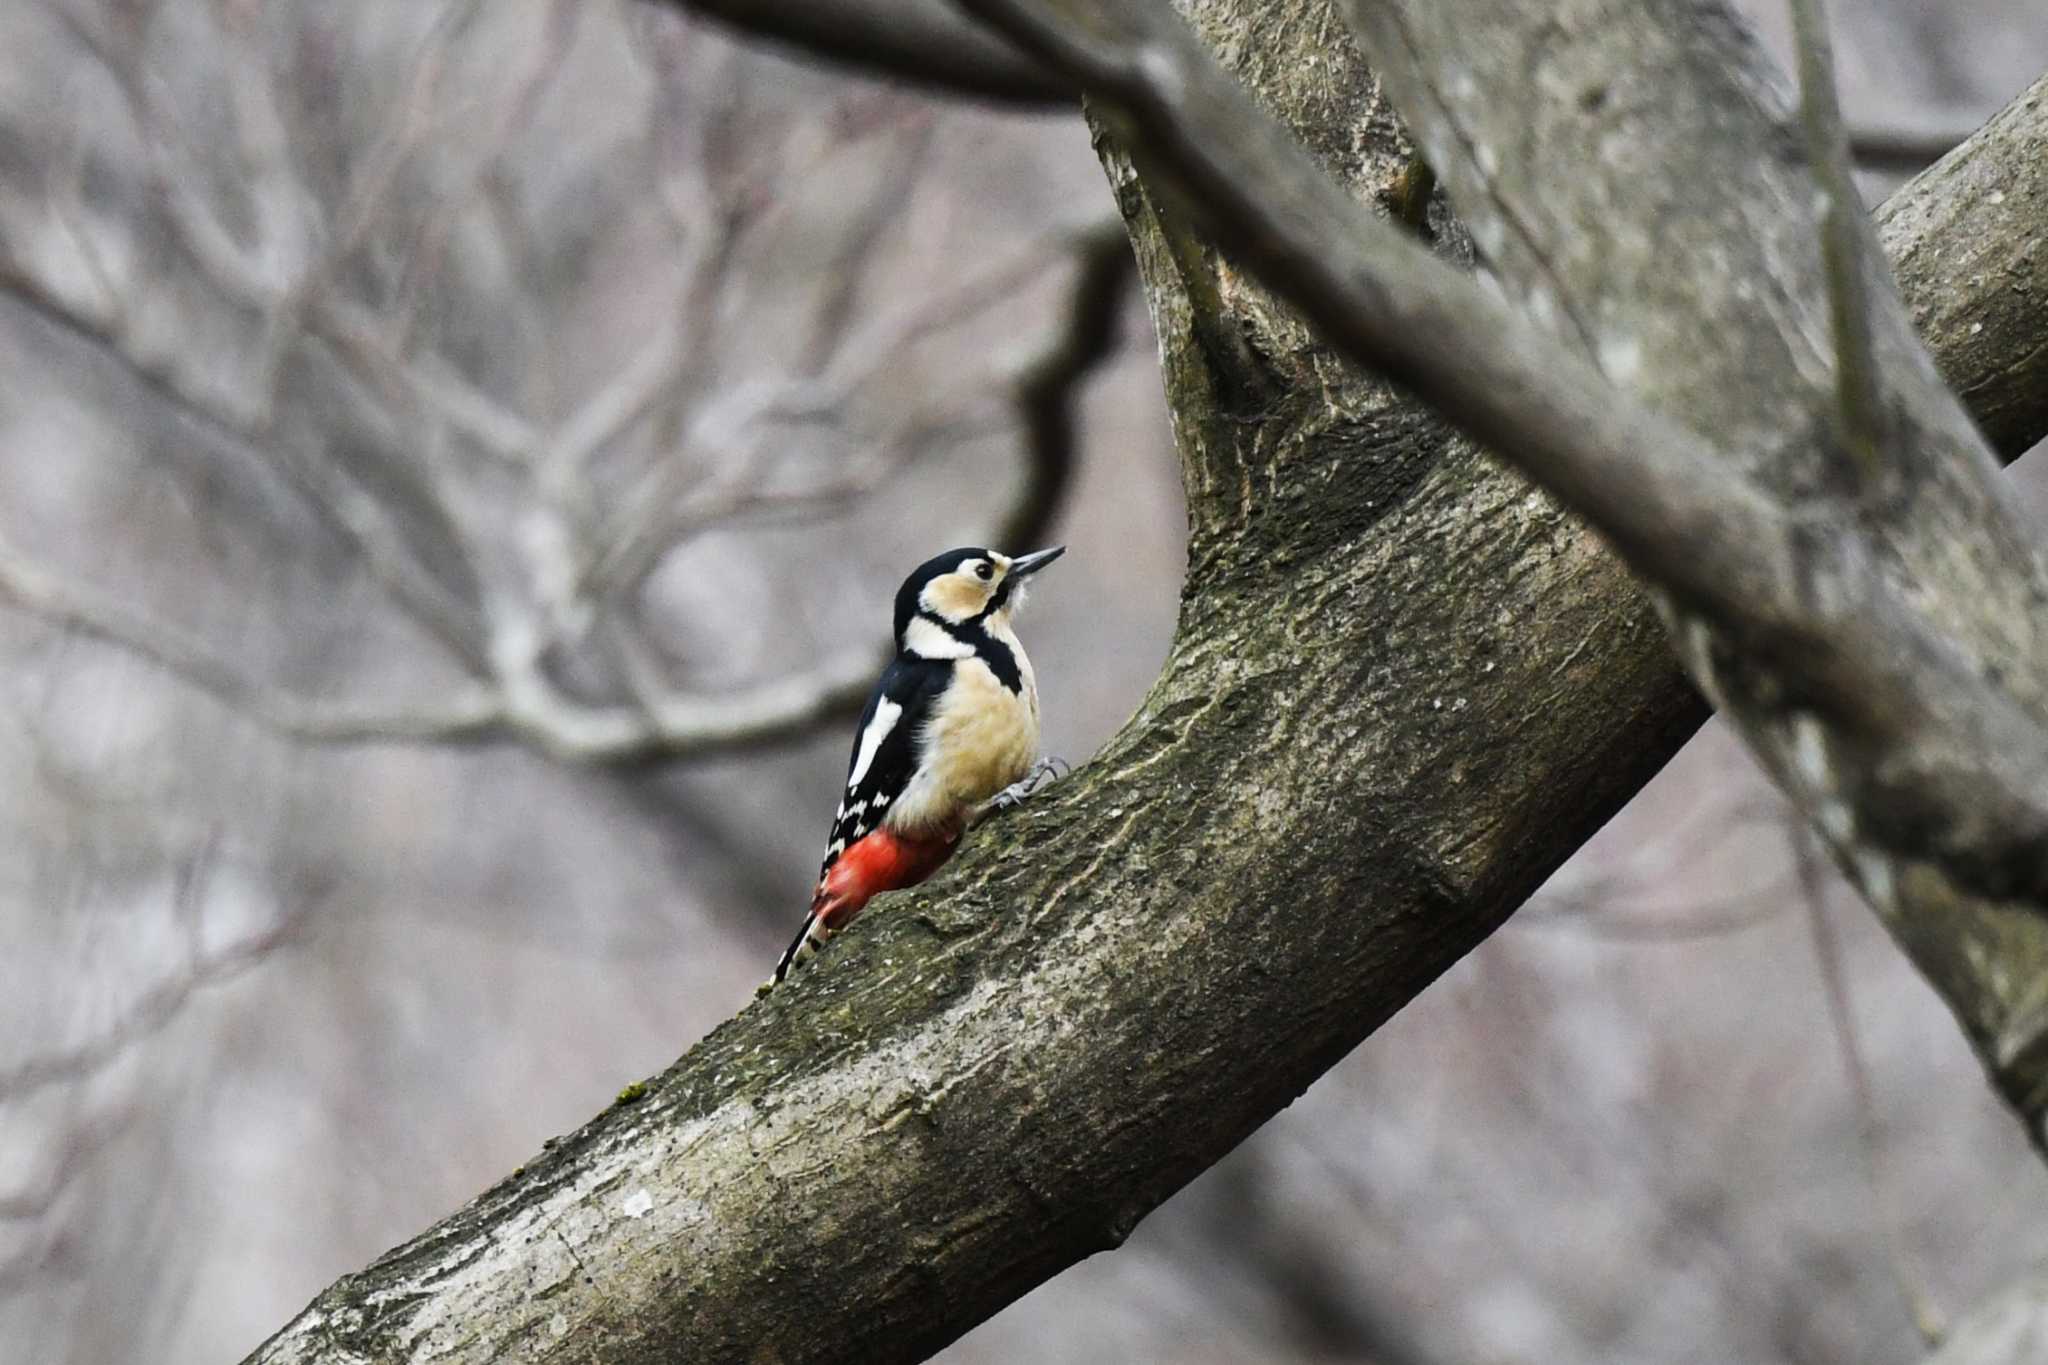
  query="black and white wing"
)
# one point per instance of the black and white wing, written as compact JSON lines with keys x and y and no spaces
{"x":885,"y":748}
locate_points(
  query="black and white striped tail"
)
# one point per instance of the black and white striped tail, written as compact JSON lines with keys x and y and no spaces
{"x":808,"y":940}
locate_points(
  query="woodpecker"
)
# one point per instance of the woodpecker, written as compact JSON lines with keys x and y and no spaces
{"x":952,"y":723}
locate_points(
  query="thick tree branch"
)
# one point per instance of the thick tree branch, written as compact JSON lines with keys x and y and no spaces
{"x":1691,"y":290}
{"x":1382,"y":297}
{"x":925,"y":43}
{"x":1973,"y":758}
{"x":1404,"y":688}
{"x":1965,"y":241}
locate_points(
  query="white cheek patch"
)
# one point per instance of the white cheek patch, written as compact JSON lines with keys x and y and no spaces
{"x":886,"y":714}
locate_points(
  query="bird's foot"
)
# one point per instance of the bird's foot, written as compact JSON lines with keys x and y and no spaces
{"x":1043,"y":773}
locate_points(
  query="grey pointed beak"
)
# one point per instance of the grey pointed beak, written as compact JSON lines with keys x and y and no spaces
{"x":1032,"y":563}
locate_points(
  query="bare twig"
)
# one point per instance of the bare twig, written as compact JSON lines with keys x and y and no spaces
{"x":350,"y":511}
{"x":32,"y":1199}
{"x":707,"y":208}
{"x":631,"y":395}
{"x":1049,"y":391}
{"x":1699,"y":921}
{"x":104,"y":617}
{"x":66,"y":201}
{"x":368,"y":196}
{"x":1907,"y":147}
{"x":278,"y":281}
{"x":496,"y":430}
{"x":656,"y":519}
{"x":1846,"y":238}
{"x":157,"y":1006}
{"x":1827,"y":951}
{"x":888,"y":203}
{"x":921,"y":41}
{"x":524,"y":706}
{"x":424,"y":254}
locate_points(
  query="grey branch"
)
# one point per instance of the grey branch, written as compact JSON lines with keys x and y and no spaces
{"x":516,"y":702}
{"x":1048,"y":392}
{"x":659,"y":518}
{"x":1845,"y":238}
{"x":1909,"y":147}
{"x":924,"y":42}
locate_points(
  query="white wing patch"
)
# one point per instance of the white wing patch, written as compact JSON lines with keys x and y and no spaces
{"x":886,"y":714}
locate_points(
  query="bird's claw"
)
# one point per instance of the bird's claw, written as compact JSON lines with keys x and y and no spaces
{"x":1043,"y":773}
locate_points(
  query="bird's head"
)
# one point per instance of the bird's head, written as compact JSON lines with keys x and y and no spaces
{"x":963,"y":587}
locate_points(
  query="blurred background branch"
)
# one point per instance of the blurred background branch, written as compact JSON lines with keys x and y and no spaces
{"x":667,"y":447}
{"x":924,"y":42}
{"x":408,"y":406}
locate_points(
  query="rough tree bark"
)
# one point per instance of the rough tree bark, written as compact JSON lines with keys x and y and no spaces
{"x":1968,"y":243}
{"x":1404,"y":688}
{"x":1842,"y":569}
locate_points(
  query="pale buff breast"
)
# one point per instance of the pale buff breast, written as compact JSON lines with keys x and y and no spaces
{"x":985,"y":736}
{"x":981,"y":738}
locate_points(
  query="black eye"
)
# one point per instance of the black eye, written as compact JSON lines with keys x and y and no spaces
{"x":984,"y":570}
